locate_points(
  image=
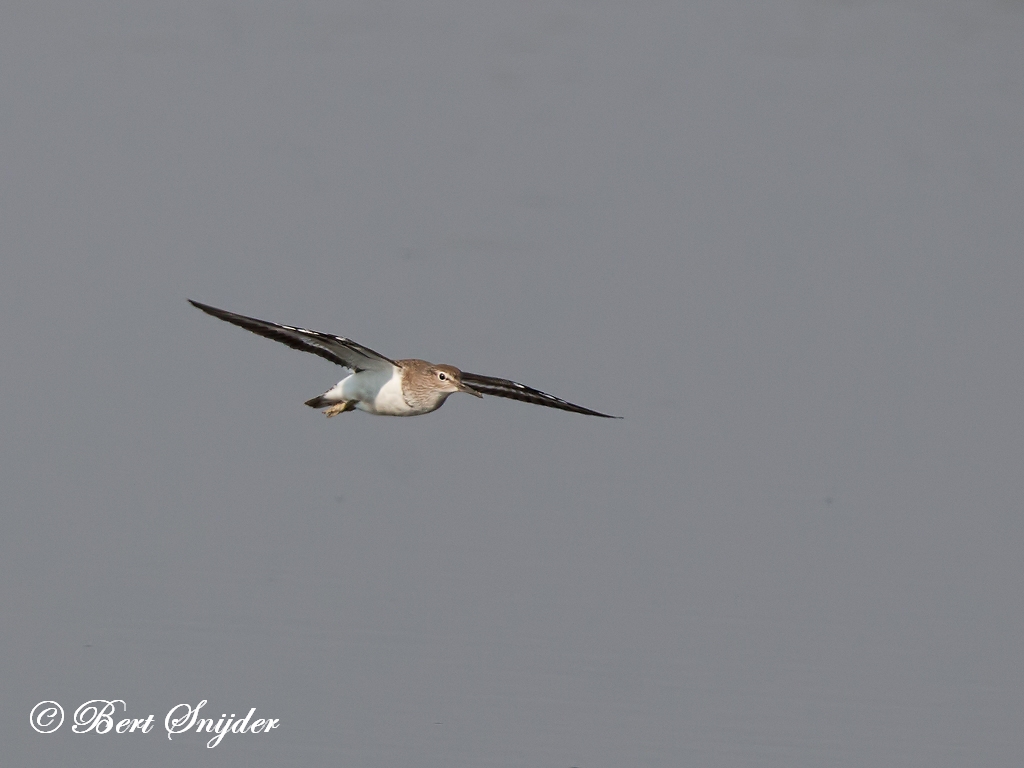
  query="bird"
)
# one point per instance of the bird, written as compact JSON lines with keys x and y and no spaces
{"x":386,"y":387}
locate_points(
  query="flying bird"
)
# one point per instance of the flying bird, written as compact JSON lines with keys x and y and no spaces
{"x":384,"y":386}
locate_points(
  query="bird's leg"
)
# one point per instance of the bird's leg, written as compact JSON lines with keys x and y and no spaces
{"x":334,"y":410}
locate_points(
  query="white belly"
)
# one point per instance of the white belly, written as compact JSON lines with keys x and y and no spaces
{"x":388,"y":399}
{"x":374,"y":392}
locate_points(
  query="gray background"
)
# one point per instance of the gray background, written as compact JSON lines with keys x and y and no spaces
{"x":784,"y":239}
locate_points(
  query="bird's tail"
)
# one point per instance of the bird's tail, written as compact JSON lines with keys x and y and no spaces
{"x":320,"y":402}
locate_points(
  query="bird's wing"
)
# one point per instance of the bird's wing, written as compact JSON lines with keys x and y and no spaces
{"x":337,"y":349}
{"x":513,"y":390}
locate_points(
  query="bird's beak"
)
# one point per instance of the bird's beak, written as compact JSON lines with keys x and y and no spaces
{"x":468,"y":390}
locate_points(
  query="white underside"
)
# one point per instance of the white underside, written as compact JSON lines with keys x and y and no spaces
{"x":377,"y":392}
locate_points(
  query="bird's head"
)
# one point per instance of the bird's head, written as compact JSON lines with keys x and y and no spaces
{"x":448,"y":379}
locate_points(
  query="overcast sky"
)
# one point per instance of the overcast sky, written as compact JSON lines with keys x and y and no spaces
{"x":783,"y":239}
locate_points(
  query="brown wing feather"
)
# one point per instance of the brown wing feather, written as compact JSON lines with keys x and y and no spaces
{"x":513,"y":390}
{"x":337,"y":349}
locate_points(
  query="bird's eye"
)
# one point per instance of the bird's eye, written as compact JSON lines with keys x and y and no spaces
{"x":441,"y":376}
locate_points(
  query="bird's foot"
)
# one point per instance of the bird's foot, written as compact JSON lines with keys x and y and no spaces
{"x":337,"y":408}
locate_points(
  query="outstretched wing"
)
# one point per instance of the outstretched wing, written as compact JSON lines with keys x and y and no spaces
{"x":513,"y":390}
{"x":337,"y":349}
